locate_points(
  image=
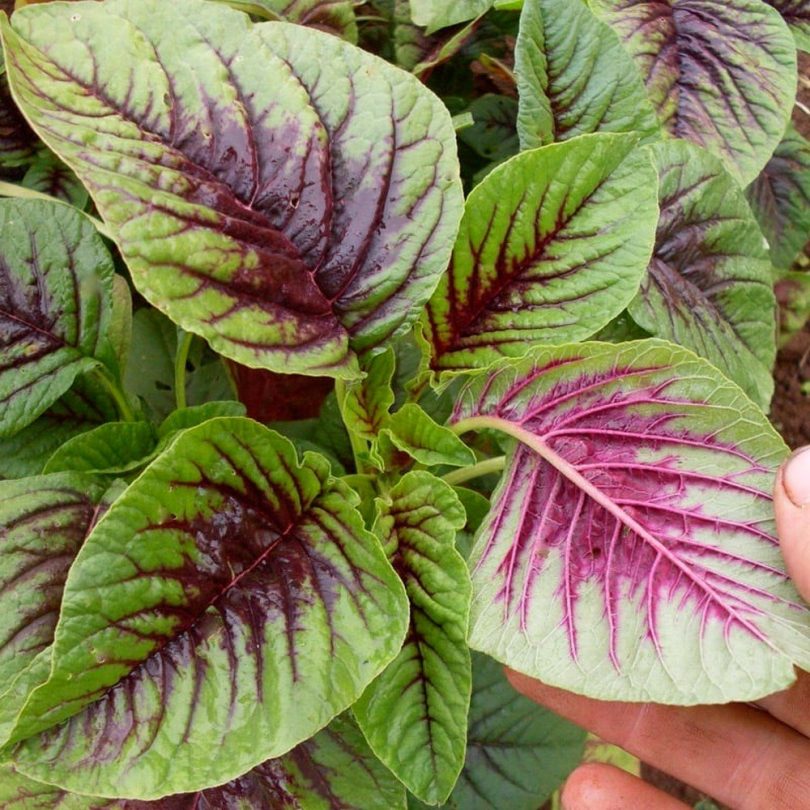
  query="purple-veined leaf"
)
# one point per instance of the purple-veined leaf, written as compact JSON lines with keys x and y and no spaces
{"x":48,"y":175}
{"x":43,"y":523}
{"x":227,"y":606}
{"x":334,"y":770}
{"x":553,"y":245}
{"x":334,"y":16}
{"x":414,"y":715}
{"x":631,"y":553}
{"x":720,"y":73}
{"x":56,"y":280}
{"x":709,"y":286}
{"x":574,"y":77}
{"x":796,"y":13}
{"x":291,"y":223}
{"x":780,"y":199}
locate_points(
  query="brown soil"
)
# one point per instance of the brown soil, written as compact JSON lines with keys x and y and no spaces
{"x":790,"y":411}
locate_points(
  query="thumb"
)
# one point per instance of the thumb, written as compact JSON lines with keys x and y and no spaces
{"x":792,"y":505}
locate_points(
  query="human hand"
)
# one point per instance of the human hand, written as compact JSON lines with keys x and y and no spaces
{"x":746,"y":757}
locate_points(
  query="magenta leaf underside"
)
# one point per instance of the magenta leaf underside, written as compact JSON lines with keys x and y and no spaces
{"x":643,"y":503}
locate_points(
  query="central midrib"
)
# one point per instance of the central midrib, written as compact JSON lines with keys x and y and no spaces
{"x":566,"y":469}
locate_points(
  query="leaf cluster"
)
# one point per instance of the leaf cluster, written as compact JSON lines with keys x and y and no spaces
{"x":324,"y":397}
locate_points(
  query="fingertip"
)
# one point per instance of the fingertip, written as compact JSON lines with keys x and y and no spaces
{"x":792,"y":507}
{"x":596,"y":784}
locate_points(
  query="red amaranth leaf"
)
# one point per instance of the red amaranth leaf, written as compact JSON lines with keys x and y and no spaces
{"x":229,"y":582}
{"x":630,"y":553}
{"x":309,"y":217}
{"x":720,"y":73}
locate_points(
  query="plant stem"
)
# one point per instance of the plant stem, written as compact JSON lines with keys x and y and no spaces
{"x":22,"y":193}
{"x":114,"y":390}
{"x":485,"y":467}
{"x":358,"y":445}
{"x":180,"y":360}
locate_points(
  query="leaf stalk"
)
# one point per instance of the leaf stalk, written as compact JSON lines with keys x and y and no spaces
{"x":112,"y":387}
{"x":485,"y":467}
{"x":185,"y":339}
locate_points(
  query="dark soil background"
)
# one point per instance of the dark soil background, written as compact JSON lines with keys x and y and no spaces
{"x":790,"y":411}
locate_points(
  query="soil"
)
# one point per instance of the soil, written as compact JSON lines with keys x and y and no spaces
{"x":790,"y":411}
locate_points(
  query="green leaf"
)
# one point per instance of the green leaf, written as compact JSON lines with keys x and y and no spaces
{"x":552,"y":246}
{"x":493,"y":135}
{"x":476,"y":506}
{"x":333,"y":769}
{"x":116,"y":447}
{"x":411,"y":430}
{"x":335,"y":16}
{"x":709,"y":286}
{"x":82,"y":408}
{"x":48,"y":175}
{"x":328,"y":431}
{"x":414,"y":715}
{"x":720,"y":73}
{"x":780,"y":198}
{"x":366,"y":489}
{"x":185,"y":418}
{"x":365,"y":403}
{"x":150,"y":370}
{"x":55,"y":306}
{"x":631,"y":552}
{"x":120,"y":329}
{"x":517,"y":752}
{"x":433,"y":16}
{"x":18,"y":792}
{"x":621,"y":330}
{"x":574,"y":77}
{"x":796,"y":14}
{"x":229,"y":583}
{"x":21,"y":686}
{"x":294,"y":224}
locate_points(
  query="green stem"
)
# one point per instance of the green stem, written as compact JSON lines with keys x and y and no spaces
{"x":358,"y":445}
{"x":180,"y":361}
{"x":485,"y":467}
{"x":22,"y":193}
{"x":115,"y":391}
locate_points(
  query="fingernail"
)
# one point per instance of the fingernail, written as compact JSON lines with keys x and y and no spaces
{"x":796,"y":477}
